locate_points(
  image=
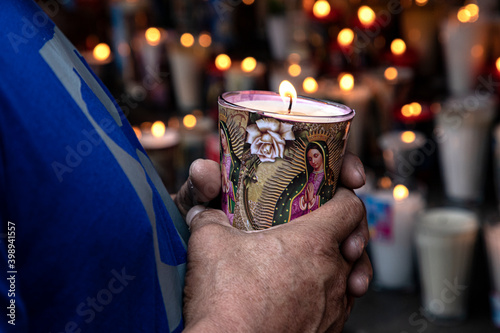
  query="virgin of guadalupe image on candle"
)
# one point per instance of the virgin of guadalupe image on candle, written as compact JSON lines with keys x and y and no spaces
{"x":304,"y":182}
{"x":230,"y":170}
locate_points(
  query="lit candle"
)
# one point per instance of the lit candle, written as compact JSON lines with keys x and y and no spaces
{"x":289,"y":137}
{"x":357,"y":96}
{"x":391,"y":219}
{"x":157,"y":136}
{"x":100,"y":56}
{"x":245,"y":75}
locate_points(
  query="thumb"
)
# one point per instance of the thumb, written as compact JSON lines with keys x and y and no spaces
{"x":199,"y":216}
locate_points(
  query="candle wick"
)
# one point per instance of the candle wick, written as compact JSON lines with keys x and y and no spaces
{"x":290,"y":105}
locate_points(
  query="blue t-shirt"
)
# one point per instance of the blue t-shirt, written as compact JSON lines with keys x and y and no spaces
{"x":90,"y":239}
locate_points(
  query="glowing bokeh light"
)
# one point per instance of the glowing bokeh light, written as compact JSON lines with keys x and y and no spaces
{"x":400,"y":192}
{"x":294,"y":70}
{"x":205,"y":39}
{"x":398,"y":46}
{"x":310,"y":85}
{"x":189,"y":121}
{"x":187,"y":40}
{"x":346,"y":82}
{"x":391,"y":73}
{"x":248,"y":64}
{"x":153,"y":36}
{"x":158,"y":129}
{"x":345,"y":37}
{"x":222,"y":62}
{"x":408,"y":137}
{"x":366,"y":15}
{"x":101,"y":52}
{"x":321,"y":9}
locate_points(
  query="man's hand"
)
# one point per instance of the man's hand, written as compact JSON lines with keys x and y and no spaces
{"x":301,"y":276}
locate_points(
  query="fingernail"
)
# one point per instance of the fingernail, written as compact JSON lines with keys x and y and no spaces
{"x":361,"y":171}
{"x":193,"y":212}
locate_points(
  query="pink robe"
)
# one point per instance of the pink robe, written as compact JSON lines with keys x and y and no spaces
{"x":299,"y":205}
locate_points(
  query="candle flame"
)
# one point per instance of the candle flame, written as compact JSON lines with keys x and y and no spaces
{"x":287,"y":92}
{"x":321,"y":9}
{"x":366,"y":15}
{"x":421,"y":2}
{"x":137,"y":132}
{"x":187,"y":40}
{"x":248,"y":2}
{"x":497,"y":64}
{"x":205,"y":39}
{"x":346,"y":82}
{"x":385,"y":182}
{"x":345,"y":37}
{"x":408,"y":137}
{"x":310,"y":85}
{"x":189,"y":121}
{"x":222,"y":62}
{"x":153,"y":36}
{"x":101,"y":52}
{"x":158,"y":129}
{"x":398,"y":46}
{"x":294,"y":70}
{"x":400,"y":192}
{"x":391,"y":73}
{"x":413,"y":109}
{"x":248,"y":64}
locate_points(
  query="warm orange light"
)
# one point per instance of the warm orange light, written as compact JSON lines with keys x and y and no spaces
{"x":398,"y":46}
{"x":287,"y":90}
{"x":366,"y":15}
{"x":153,"y":36}
{"x":421,"y":2}
{"x":222,"y":62}
{"x":158,"y":129}
{"x":321,"y":9}
{"x":477,"y":51}
{"x":187,"y":40}
{"x":310,"y":85}
{"x":464,"y":15}
{"x":137,"y":132}
{"x":400,"y":192}
{"x":101,"y":52}
{"x":416,"y":109}
{"x":406,"y":110}
{"x":189,"y":121}
{"x":345,"y":37}
{"x":474,"y":12}
{"x":294,"y":70}
{"x":346,"y":82}
{"x":248,"y":2}
{"x":497,"y":64}
{"x":248,"y":64}
{"x":408,"y":137}
{"x":205,"y":39}
{"x":385,"y":182}
{"x":391,"y":73}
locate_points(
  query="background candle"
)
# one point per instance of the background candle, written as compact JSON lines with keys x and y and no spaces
{"x":445,"y":239}
{"x":391,"y":217}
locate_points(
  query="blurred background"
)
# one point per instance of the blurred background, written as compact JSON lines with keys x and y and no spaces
{"x":423,"y":77}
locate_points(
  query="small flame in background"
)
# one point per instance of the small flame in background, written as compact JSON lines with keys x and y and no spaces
{"x":158,"y":129}
{"x":222,"y":62}
{"x":400,"y":192}
{"x":408,"y":137}
{"x":346,"y":81}
{"x":153,"y":36}
{"x":248,"y":64}
{"x":366,"y":15}
{"x":101,"y":52}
